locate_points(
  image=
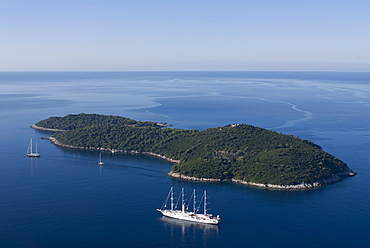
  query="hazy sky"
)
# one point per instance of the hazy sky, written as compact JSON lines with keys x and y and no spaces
{"x":167,"y":35}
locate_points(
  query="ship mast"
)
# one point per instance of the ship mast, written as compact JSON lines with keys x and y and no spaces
{"x":31,"y":146}
{"x":205,"y":202}
{"x":182,"y":201}
{"x":171,"y":198}
{"x":194,"y":206}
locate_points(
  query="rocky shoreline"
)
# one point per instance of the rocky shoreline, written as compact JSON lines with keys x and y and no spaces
{"x":320,"y":183}
{"x":56,"y":142}
{"x":47,"y":129}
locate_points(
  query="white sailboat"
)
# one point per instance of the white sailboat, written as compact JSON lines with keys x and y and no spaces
{"x":184,"y":213}
{"x":30,"y":153}
{"x":100,"y":162}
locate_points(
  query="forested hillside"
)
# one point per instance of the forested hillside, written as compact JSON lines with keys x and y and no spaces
{"x":70,"y":122}
{"x":241,"y":152}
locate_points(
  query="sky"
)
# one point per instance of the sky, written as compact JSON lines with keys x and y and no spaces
{"x":184,"y":35}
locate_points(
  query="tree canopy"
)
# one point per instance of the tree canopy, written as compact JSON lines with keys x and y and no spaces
{"x":239,"y":151}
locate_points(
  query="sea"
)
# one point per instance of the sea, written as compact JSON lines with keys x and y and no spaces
{"x":65,"y":199}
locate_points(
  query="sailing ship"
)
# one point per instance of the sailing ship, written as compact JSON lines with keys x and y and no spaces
{"x":100,"y":162}
{"x":184,"y":213}
{"x":30,"y":153}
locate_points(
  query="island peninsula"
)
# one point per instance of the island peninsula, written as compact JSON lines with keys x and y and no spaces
{"x":240,"y":153}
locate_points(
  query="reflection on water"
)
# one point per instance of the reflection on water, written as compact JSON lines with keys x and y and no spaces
{"x":34,"y":164}
{"x":189,"y":232}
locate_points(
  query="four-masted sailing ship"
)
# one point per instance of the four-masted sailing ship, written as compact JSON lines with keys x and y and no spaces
{"x":184,"y":213}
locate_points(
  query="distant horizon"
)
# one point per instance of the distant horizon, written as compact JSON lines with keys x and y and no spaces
{"x":363,"y":67}
{"x":195,"y":71}
{"x":191,"y":35}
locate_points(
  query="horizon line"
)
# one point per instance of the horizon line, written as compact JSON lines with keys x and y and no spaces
{"x":339,"y":70}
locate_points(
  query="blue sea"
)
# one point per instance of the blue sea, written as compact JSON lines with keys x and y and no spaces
{"x":65,"y":199}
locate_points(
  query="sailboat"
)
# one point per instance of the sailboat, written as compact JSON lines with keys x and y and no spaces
{"x":100,"y":162}
{"x":184,"y":213}
{"x":30,"y":153}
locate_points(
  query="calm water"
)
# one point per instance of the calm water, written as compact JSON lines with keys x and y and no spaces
{"x":64,"y":199}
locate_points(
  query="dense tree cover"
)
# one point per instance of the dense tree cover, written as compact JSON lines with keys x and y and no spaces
{"x":241,"y":152}
{"x":70,"y":122}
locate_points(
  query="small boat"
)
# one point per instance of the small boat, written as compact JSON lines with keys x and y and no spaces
{"x":184,"y":213}
{"x":100,"y":162}
{"x":30,"y":153}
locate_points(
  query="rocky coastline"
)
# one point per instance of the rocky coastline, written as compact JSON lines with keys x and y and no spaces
{"x":56,"y":142}
{"x":320,"y":183}
{"x":47,"y":129}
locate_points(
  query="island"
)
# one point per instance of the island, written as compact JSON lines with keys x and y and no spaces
{"x":239,"y":153}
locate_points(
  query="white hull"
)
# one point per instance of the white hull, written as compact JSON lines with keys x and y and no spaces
{"x":30,"y":153}
{"x":189,"y":216}
{"x":100,"y":162}
{"x":35,"y":155}
{"x":184,"y":214}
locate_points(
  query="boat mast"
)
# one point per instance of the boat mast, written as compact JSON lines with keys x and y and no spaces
{"x":194,"y":207}
{"x":31,"y":146}
{"x":205,"y":202}
{"x":171,"y":198}
{"x":182,"y":201}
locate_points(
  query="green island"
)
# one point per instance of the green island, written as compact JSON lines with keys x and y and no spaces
{"x":240,"y":153}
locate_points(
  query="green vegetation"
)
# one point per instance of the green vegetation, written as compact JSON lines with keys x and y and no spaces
{"x":71,"y":122}
{"x":241,"y":152}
